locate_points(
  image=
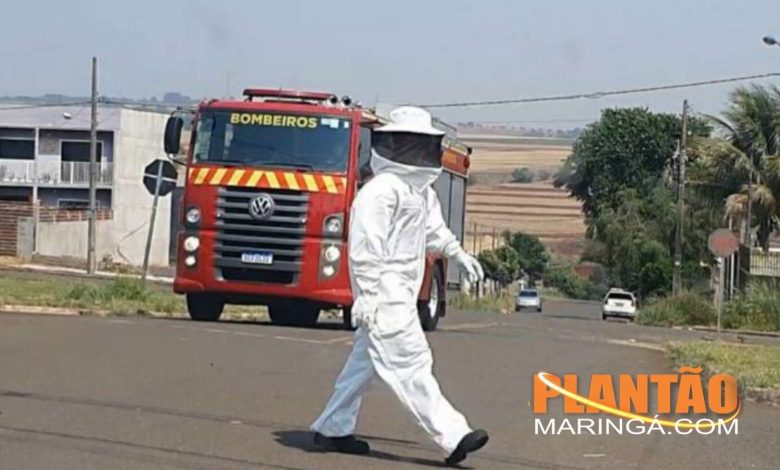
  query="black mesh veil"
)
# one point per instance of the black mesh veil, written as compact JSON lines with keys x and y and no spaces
{"x":409,"y":148}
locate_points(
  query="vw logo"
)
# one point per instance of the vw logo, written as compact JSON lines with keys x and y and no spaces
{"x":261,"y":207}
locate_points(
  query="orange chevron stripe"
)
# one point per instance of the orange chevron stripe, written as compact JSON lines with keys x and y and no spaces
{"x":256,"y":175}
{"x":235,"y":178}
{"x":217,"y":177}
{"x":202,"y":173}
{"x":292,"y":182}
{"x":311,"y":183}
{"x":272,"y":181}
{"x":330,"y":185}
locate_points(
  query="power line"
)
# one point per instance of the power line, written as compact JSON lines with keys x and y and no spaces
{"x":601,"y":94}
{"x":528,"y":121}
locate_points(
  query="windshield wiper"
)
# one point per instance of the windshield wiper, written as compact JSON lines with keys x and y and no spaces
{"x":298,"y":166}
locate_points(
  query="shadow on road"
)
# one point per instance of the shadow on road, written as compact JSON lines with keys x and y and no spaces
{"x":329,"y":326}
{"x":572,"y":317}
{"x":303,"y":440}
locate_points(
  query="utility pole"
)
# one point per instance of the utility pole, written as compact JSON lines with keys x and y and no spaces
{"x":678,"y":236}
{"x":91,"y":260}
{"x":748,"y":233}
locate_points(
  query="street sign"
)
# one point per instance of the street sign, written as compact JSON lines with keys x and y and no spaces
{"x":159,"y":179}
{"x":167,"y":172}
{"x":723,"y":242}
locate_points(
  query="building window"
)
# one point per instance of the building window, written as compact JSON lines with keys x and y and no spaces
{"x":17,"y":149}
{"x":73,"y":204}
{"x":78,"y":151}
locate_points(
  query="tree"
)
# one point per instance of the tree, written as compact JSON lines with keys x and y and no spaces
{"x":628,"y":148}
{"x":501,"y":265}
{"x":751,"y":125}
{"x":532,"y":254}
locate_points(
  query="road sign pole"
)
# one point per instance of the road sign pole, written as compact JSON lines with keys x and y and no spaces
{"x":148,"y":248}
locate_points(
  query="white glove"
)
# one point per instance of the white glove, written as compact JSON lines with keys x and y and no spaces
{"x":469,"y":266}
{"x":364,"y":312}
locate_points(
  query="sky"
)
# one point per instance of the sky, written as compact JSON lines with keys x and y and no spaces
{"x":422,"y":51}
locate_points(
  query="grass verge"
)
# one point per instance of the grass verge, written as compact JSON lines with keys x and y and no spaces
{"x":495,"y":303}
{"x":117,"y":296}
{"x":756,"y":367}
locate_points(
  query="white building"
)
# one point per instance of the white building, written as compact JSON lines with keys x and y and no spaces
{"x":44,"y":155}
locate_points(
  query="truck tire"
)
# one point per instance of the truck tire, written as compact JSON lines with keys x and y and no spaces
{"x":205,"y":307}
{"x":293,"y":313}
{"x":346,"y":313}
{"x":432,"y":309}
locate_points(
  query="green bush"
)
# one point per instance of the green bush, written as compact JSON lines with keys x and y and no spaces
{"x":571,"y":285}
{"x":522,"y":175}
{"x":543,"y":175}
{"x":756,"y":309}
{"x":685,"y":308}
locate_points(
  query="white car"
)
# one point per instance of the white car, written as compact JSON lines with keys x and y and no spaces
{"x":528,"y":298}
{"x":619,"y":303}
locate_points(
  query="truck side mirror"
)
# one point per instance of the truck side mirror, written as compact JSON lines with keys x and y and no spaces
{"x":172,"y":138}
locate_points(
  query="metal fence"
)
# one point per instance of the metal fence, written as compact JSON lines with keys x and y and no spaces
{"x":24,"y":172}
{"x":758,"y":262}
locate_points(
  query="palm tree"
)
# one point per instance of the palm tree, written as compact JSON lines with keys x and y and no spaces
{"x":751,"y":159}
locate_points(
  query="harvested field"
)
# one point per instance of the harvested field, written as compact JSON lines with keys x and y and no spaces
{"x":537,"y":209}
{"x":506,"y":161}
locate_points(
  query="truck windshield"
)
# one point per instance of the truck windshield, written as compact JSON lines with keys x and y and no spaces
{"x":314,"y":142}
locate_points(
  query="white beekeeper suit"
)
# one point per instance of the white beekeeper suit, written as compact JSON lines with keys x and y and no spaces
{"x":395,"y":219}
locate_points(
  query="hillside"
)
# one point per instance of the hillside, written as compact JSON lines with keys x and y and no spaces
{"x":536,"y":208}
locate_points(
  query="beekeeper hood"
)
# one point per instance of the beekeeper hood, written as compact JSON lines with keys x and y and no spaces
{"x":409,"y":147}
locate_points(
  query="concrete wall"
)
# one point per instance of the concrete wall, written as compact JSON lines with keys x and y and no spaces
{"x":69,"y":239}
{"x":138,"y":142}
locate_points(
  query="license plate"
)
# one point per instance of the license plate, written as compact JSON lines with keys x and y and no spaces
{"x":257,"y":257}
{"x":619,"y":304}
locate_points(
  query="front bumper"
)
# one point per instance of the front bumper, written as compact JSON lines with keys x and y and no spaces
{"x":620,"y":313}
{"x":308,"y":284}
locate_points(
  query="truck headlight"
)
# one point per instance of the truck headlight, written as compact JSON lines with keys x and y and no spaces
{"x":193,"y":215}
{"x":334,"y":225}
{"x":191,"y":244}
{"x":190,"y":261}
{"x":328,"y":270}
{"x":332,"y":254}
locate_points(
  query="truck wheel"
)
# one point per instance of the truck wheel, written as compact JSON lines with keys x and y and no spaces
{"x":294,"y":313}
{"x":346,"y":313}
{"x":432,"y":309}
{"x":205,"y":307}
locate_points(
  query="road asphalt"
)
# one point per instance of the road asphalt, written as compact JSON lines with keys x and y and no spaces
{"x":139,"y":393}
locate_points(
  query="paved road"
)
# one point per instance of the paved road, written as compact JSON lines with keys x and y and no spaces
{"x":90,"y":393}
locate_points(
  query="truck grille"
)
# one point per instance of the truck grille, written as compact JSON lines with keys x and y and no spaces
{"x":281,"y":234}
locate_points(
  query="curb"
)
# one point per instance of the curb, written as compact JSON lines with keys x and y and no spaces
{"x":765,"y":334}
{"x":36,"y":310}
{"x":100,"y":275}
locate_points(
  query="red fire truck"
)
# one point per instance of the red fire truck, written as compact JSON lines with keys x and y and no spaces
{"x":269,"y":184}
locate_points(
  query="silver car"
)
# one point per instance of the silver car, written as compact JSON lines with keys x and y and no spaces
{"x":528,"y":298}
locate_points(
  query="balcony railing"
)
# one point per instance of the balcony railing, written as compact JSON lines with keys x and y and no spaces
{"x":23,"y":172}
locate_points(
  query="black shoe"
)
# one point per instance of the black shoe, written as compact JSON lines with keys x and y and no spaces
{"x":345,"y":445}
{"x":471,"y":442}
